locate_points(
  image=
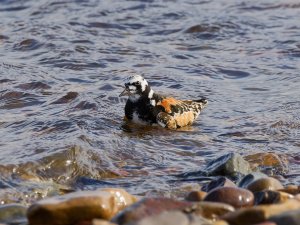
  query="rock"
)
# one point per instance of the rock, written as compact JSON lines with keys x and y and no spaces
{"x":243,"y":183}
{"x":220,"y":222}
{"x":231,"y":165}
{"x":271,"y":197}
{"x":262,"y":160}
{"x":266,"y":223}
{"x":291,"y":189}
{"x":79,"y":206}
{"x":196,"y":196}
{"x":12,"y":213}
{"x":263,"y":184}
{"x":149,"y":207}
{"x":171,"y":218}
{"x":218,"y":182}
{"x":237,"y":197}
{"x":287,"y":218}
{"x":258,"y":214}
{"x":101,"y":222}
{"x":211,"y":210}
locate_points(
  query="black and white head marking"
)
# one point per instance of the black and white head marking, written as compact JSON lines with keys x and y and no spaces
{"x":135,"y":87}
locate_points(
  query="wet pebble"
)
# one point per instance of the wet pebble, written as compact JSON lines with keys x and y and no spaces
{"x":218,"y":182}
{"x":287,"y":218}
{"x":96,"y":222}
{"x":237,"y":197}
{"x":250,"y":178}
{"x":79,"y":206}
{"x":259,"y":214}
{"x":149,"y":207}
{"x":262,"y":184}
{"x":291,"y":189}
{"x":171,"y":218}
{"x":211,"y":210}
{"x":196,"y":196}
{"x":265,"y":162}
{"x":232,"y":165}
{"x":271,"y":197}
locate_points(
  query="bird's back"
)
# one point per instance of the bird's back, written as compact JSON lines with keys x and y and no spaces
{"x":178,"y":113}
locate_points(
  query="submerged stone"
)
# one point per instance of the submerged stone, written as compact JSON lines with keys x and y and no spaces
{"x":237,"y":197}
{"x":79,"y":206}
{"x":12,"y":213}
{"x":232,"y":165}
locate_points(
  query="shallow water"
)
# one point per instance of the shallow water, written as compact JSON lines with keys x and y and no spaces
{"x":62,"y":65}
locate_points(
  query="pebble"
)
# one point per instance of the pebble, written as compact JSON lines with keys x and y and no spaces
{"x":271,"y":197}
{"x":262,"y":184}
{"x":218,"y":182}
{"x":291,"y":189}
{"x":149,"y":207}
{"x":171,"y":218}
{"x":258,"y":214}
{"x":237,"y":197}
{"x":287,"y":218}
{"x":243,"y":183}
{"x":79,"y":206}
{"x":211,"y":210}
{"x":231,"y":165}
{"x":263,"y":160}
{"x":196,"y":196}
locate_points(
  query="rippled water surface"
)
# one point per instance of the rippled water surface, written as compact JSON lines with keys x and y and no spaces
{"x":62,"y":65}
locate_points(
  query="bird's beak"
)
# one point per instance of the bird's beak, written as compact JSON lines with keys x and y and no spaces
{"x":126,"y":92}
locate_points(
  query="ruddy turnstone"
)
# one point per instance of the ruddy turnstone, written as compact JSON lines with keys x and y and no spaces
{"x":143,"y":105}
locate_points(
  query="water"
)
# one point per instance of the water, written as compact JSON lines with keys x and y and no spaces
{"x":62,"y":65}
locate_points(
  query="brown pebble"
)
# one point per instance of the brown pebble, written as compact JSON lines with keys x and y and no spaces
{"x":271,"y":197}
{"x":79,"y":206}
{"x":263,"y":184}
{"x":266,"y":223}
{"x":196,"y":196}
{"x":149,"y":207}
{"x":211,"y":210}
{"x":220,"y":222}
{"x":259,"y":214}
{"x":291,"y":189}
{"x":237,"y":197}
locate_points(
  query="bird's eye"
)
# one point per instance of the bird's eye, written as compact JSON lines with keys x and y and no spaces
{"x":137,"y":83}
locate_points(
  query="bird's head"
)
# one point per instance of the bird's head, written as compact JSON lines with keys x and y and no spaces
{"x":135,"y":87}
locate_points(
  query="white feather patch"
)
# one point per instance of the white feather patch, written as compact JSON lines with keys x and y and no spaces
{"x":152,"y":102}
{"x":150,"y":95}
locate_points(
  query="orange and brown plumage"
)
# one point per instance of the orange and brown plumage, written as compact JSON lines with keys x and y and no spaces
{"x":143,"y":105}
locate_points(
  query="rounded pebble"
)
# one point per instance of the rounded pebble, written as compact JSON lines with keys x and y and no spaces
{"x":263,"y":184}
{"x":237,"y":197}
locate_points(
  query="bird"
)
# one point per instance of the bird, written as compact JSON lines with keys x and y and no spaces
{"x":147,"y":107}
